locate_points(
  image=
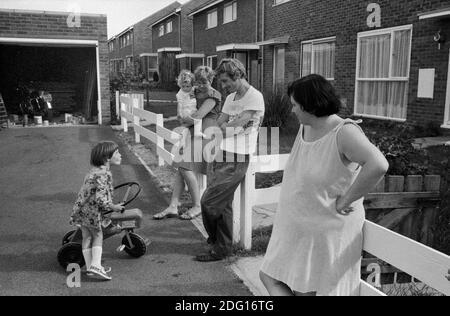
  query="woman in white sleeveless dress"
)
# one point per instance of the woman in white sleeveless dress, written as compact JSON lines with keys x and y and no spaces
{"x":316,"y":243}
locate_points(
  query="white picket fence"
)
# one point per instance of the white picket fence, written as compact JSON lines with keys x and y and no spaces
{"x":132,"y":114}
{"x":421,"y":262}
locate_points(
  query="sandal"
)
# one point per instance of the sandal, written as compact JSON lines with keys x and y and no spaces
{"x":165,"y":214}
{"x":190,"y":214}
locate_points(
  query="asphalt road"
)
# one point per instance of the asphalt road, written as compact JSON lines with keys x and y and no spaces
{"x":41,"y":171}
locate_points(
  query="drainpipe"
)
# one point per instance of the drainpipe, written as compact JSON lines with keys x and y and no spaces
{"x":257,"y":20}
{"x":262,"y":39}
{"x":132,"y":53}
{"x":179,"y":29}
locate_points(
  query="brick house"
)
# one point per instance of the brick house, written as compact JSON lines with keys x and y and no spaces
{"x":229,"y":28}
{"x":172,"y":38}
{"x":63,"y":53}
{"x":388,"y":59}
{"x":133,"y":51}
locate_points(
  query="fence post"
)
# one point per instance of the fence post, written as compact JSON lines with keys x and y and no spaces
{"x":432,"y":183}
{"x":246,"y":209}
{"x":117,"y":104}
{"x":124,"y":119}
{"x":237,"y":215}
{"x":202,"y":181}
{"x":136,"y":120}
{"x":160,"y":140}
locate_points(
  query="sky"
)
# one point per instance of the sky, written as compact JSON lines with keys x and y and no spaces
{"x":121,"y":13}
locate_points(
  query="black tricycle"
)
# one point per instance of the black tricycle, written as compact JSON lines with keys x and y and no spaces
{"x":126,"y":222}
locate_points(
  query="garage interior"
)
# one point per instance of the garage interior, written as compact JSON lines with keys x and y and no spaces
{"x":67,"y":74}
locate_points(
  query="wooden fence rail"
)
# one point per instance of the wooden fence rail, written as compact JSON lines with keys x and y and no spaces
{"x":405,"y":206}
{"x":133,"y":114}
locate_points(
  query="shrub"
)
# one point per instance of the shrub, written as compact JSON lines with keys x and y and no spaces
{"x":395,"y":142}
{"x":278,"y":110}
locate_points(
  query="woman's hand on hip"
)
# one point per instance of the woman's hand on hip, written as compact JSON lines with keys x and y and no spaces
{"x":342,"y":208}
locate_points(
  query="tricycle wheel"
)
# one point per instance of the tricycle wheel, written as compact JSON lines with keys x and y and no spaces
{"x":139,"y":245}
{"x":67,"y":237}
{"x":71,"y":253}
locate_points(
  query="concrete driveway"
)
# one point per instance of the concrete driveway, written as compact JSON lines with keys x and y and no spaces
{"x":41,"y":171}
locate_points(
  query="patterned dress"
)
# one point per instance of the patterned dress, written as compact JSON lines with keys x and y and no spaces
{"x":95,"y":197}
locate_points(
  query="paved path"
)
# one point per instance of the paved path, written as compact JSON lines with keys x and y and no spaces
{"x":41,"y":170}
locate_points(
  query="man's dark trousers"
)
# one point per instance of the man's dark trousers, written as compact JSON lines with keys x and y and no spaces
{"x":217,"y":211}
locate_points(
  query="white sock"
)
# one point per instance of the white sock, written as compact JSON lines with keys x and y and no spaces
{"x":87,"y":254}
{"x":96,"y":257}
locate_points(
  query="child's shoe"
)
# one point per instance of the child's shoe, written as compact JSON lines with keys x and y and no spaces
{"x":99,"y":273}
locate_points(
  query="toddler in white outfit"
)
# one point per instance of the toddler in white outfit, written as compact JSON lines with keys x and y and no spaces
{"x":187,"y":103}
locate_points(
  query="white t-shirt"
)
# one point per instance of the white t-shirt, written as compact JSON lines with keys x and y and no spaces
{"x":244,"y":142}
{"x":187,"y":104}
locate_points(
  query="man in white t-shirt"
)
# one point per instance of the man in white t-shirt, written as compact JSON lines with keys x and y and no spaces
{"x":241,"y":117}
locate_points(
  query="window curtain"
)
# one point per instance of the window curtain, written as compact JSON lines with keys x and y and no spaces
{"x":318,"y":58}
{"x":306,"y":59}
{"x":387,"y":97}
{"x":324,"y":59}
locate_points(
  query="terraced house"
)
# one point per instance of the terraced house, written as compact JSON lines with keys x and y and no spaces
{"x":132,"y":50}
{"x":229,"y":28}
{"x":160,"y":44}
{"x":388,"y":59}
{"x":172,"y":41}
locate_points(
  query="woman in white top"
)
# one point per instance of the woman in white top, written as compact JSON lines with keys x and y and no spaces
{"x":316,"y":243}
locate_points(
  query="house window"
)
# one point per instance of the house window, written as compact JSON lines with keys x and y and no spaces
{"x":382,"y":73}
{"x":196,"y":62}
{"x":169,"y":27}
{"x":318,"y":57}
{"x":128,"y":63}
{"x":212,"y":19}
{"x":161,"y":31}
{"x":230,"y":12}
{"x":149,"y":66}
{"x":277,"y":2}
{"x":211,"y":61}
{"x":279,"y":58}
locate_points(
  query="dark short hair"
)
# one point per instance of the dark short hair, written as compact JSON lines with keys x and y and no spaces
{"x":233,"y":68}
{"x":102,"y":152}
{"x":315,"y":95}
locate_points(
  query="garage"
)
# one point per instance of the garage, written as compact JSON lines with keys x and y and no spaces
{"x":54,"y":69}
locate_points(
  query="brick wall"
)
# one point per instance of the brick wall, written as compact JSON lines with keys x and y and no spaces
{"x":306,"y":20}
{"x":53,"y":25}
{"x":168,"y":39}
{"x":243,"y":30}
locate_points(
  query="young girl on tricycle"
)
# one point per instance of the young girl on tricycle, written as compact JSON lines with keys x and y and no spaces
{"x":94,"y":209}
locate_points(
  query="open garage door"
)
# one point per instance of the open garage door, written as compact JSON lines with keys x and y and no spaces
{"x":66,"y":70}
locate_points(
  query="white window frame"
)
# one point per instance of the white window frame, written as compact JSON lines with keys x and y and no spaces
{"x":209,"y":60}
{"x":169,"y":27}
{"x":391,"y":78}
{"x":312,"y":42}
{"x":208,"y":19}
{"x":161,"y":30}
{"x":278,"y":2}
{"x":447,"y":99}
{"x":233,"y":6}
